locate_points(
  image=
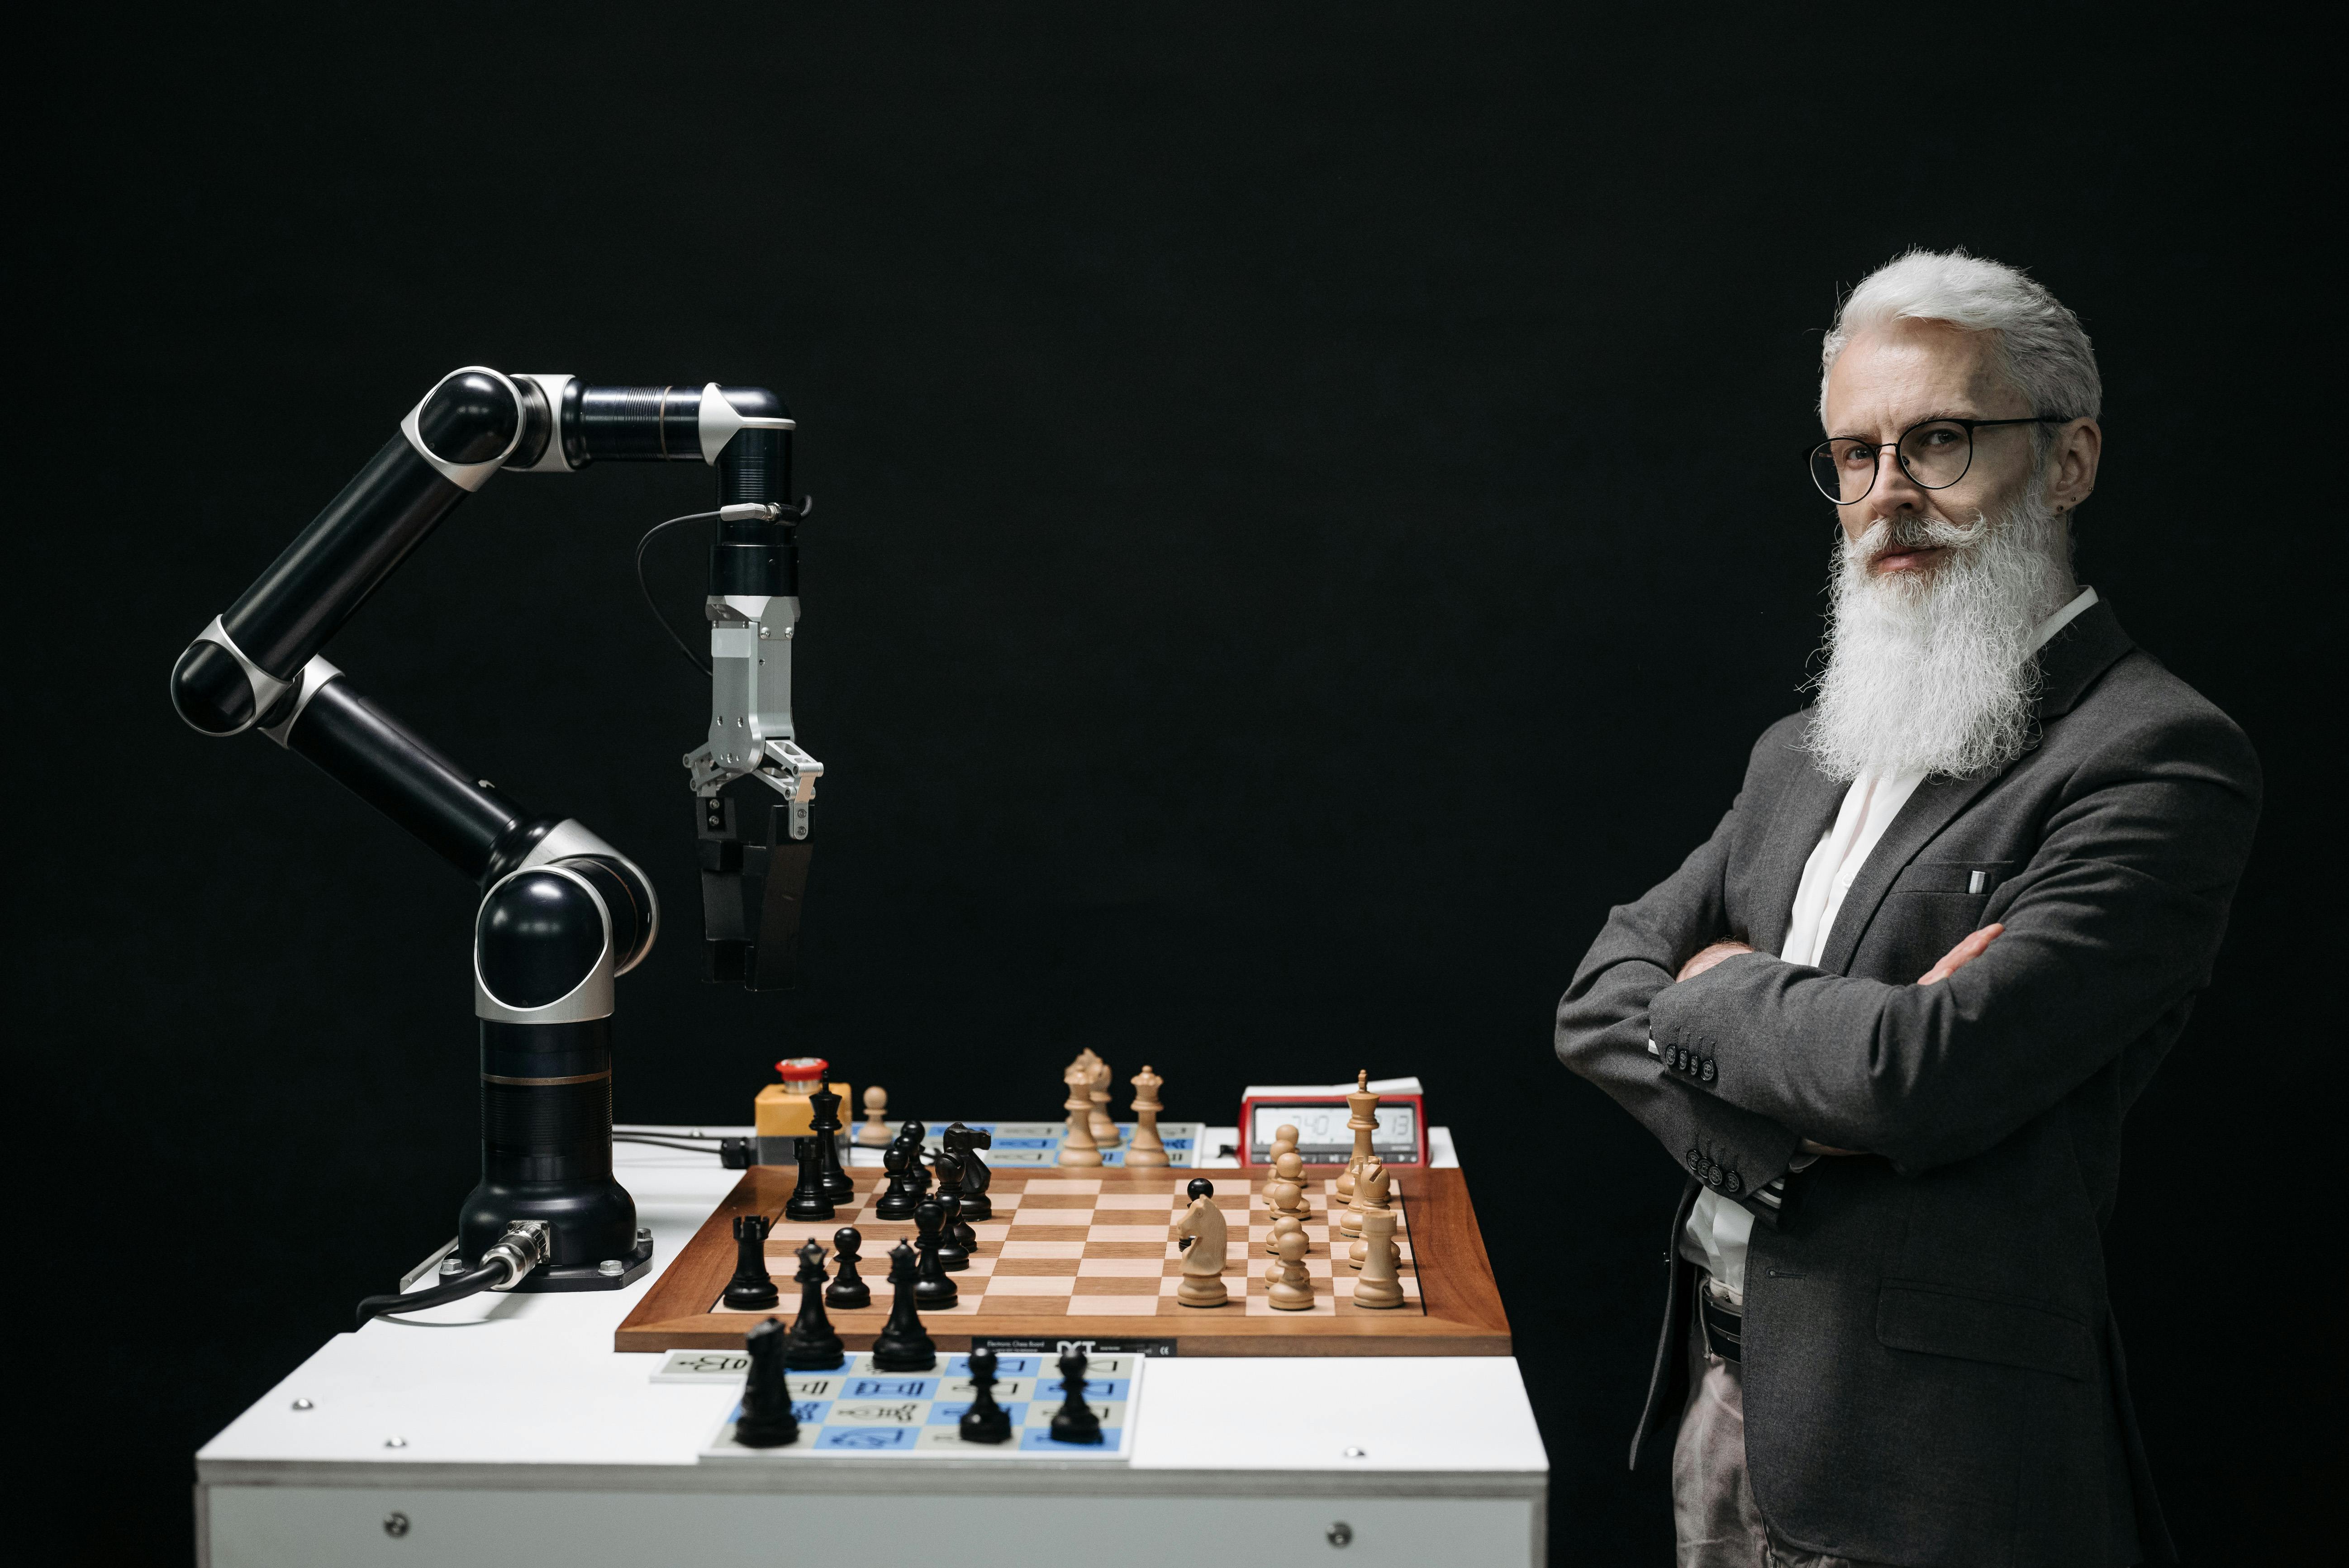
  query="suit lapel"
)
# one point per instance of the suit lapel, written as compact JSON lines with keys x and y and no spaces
{"x":1929,"y":811}
{"x":1805,"y":809}
{"x":2069,"y":665}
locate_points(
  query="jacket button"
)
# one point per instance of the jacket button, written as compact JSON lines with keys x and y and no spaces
{"x":1706,"y":1073}
{"x":1733,"y":1183}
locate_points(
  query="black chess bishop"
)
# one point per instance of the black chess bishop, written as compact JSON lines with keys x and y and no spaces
{"x":813,"y":1347}
{"x":903,"y":1344}
{"x":932,"y":1287}
{"x":765,"y":1419}
{"x":824,"y":1104}
{"x":808,"y":1199}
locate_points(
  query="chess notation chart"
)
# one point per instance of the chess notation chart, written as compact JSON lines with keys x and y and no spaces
{"x":1032,"y":1143}
{"x":1077,"y":1247}
{"x":857,"y":1412}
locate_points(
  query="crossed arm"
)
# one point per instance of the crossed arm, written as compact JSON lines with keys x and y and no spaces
{"x":2111,"y":926}
{"x":1968,"y":949}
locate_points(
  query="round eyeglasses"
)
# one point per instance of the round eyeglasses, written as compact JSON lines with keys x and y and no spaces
{"x":1935,"y":454}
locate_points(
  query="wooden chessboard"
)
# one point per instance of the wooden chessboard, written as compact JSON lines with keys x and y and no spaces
{"x":1091,"y":1254}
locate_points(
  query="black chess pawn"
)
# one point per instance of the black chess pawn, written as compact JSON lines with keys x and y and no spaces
{"x":967,"y":1143}
{"x":954,"y":1252}
{"x":765,"y":1419}
{"x":752,"y":1289}
{"x":825,"y":1127}
{"x":808,"y":1201}
{"x":1072,"y":1422}
{"x":932,"y":1288}
{"x":902,"y":1196}
{"x":915,"y":1135}
{"x":848,"y":1288}
{"x":903,"y":1344}
{"x":986,"y":1421}
{"x":814,"y":1346}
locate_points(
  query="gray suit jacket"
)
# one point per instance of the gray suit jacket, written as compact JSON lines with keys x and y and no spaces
{"x":1932,"y":1372}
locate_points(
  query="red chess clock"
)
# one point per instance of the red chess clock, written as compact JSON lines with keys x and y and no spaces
{"x":1322,"y":1136}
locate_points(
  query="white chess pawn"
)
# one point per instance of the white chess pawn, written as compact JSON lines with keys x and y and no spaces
{"x":1292,"y":1287}
{"x":1378,"y":1287}
{"x":1284,"y":1193}
{"x":1284,"y":1141}
{"x":1281,"y":1225}
{"x":874,"y":1132}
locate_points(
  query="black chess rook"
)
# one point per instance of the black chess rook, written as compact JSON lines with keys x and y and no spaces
{"x":752,"y":1289}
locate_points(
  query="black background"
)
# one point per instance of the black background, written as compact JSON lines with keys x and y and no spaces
{"x":1307,"y":517}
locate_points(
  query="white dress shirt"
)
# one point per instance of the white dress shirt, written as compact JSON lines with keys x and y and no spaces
{"x":1719,"y":1227}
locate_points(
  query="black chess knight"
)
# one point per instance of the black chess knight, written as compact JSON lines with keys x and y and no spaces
{"x":964,"y":1143}
{"x":814,"y":1346}
{"x":903,"y":1344}
{"x":752,"y":1289}
{"x":766,"y":1420}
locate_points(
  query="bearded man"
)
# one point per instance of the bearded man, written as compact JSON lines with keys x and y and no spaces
{"x":1890,"y":1016}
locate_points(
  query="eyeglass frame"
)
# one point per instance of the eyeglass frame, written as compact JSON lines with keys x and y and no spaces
{"x":1970,"y":426}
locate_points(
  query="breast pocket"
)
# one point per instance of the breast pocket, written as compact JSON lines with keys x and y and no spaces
{"x":1953,"y":879}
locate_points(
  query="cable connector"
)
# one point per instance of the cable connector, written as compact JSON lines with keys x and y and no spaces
{"x":522,"y":1248}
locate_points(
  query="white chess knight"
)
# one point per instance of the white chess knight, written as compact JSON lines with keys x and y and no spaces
{"x":1371,"y":1192}
{"x":1204,"y":1227}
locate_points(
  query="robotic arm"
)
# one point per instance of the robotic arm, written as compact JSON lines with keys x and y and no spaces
{"x":563,"y":914}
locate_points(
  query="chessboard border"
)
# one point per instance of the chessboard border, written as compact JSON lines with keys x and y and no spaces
{"x":1461,"y":1312}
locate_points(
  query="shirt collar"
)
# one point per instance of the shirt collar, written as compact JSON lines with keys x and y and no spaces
{"x":2061,"y":618}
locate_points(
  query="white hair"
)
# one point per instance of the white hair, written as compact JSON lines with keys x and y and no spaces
{"x":2040,"y":345}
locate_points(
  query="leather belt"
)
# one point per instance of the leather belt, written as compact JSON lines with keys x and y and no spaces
{"x":1724,"y":1330}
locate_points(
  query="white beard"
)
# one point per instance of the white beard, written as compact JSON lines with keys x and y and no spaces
{"x":1934,"y":671}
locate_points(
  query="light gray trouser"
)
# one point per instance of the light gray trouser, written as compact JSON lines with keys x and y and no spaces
{"x":1713,"y":1512}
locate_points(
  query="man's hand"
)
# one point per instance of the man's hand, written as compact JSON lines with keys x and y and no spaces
{"x":1707,"y":958}
{"x":1968,"y":949}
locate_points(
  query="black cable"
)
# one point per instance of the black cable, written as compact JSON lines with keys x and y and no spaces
{"x":709,"y":1147}
{"x":473,"y":1283}
{"x":691,"y":657}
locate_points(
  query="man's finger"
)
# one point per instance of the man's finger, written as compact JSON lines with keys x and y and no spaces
{"x":1969,"y":948}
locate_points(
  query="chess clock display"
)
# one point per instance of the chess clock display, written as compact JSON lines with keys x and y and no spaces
{"x":1321,"y":1113}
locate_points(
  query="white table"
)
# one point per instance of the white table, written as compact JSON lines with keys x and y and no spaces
{"x":505,"y":1430}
